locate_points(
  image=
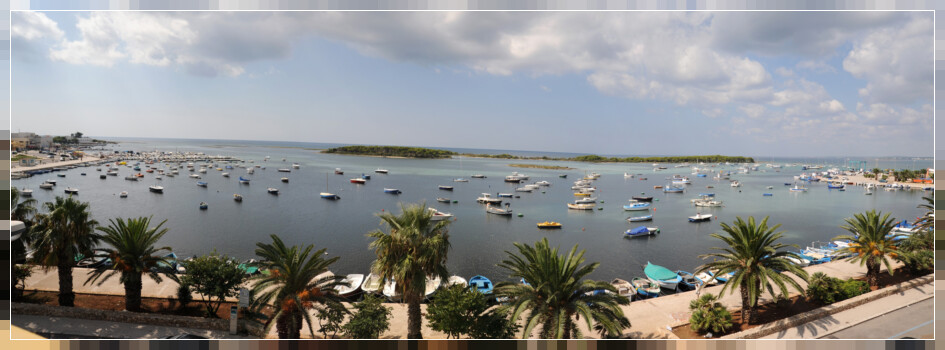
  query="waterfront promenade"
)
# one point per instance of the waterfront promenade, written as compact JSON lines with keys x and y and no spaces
{"x":650,"y":318}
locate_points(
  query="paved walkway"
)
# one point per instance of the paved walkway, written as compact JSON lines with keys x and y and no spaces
{"x":649,"y":318}
{"x":72,"y":328}
{"x":879,"y":319}
{"x":46,"y":164}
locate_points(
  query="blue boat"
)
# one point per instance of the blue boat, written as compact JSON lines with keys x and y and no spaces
{"x":229,"y":167}
{"x":327,"y":195}
{"x":661,"y":275}
{"x":640,"y":218}
{"x":171,"y":263}
{"x":787,"y":184}
{"x":480,"y":284}
{"x":642,"y":231}
{"x":688,"y":279}
{"x":508,"y":195}
{"x":645,"y":287}
{"x":365,"y":176}
{"x":203,"y":206}
{"x":201,"y":184}
{"x":707,"y":195}
{"x":392,"y":191}
{"x":720,"y":279}
{"x":244,"y":181}
{"x":637,"y":206}
{"x":671,"y":189}
{"x":700,"y":175}
{"x":767,"y":194}
{"x":831,"y":186}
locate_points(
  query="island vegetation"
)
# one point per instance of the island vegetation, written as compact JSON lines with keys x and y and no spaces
{"x":538,"y":166}
{"x":391,"y":151}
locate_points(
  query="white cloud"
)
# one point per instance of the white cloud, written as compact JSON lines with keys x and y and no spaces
{"x":896,"y":62}
{"x":752,"y":110}
{"x":816,"y":66}
{"x":34,"y":25}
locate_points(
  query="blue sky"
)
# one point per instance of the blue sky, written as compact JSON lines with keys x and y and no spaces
{"x":738,"y":83}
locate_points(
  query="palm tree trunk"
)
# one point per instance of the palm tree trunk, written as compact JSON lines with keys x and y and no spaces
{"x":872,"y":274}
{"x":747,"y":309}
{"x":296,"y":325}
{"x":282,"y":325}
{"x":66,"y":296}
{"x":567,"y":329}
{"x":133,"y":292}
{"x":413,"y":317}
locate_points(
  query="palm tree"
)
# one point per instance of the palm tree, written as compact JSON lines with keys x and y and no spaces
{"x":298,"y":278}
{"x":415,"y":247}
{"x":133,"y":254}
{"x":555,"y":292}
{"x":876,"y":172}
{"x":62,"y":234}
{"x":21,"y":210}
{"x":871,"y":242}
{"x":757,"y":260}
{"x":927,"y":223}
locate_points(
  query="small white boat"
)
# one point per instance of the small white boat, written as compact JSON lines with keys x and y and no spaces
{"x":272,"y":190}
{"x":439,"y":215}
{"x":700,"y":217}
{"x":284,"y":179}
{"x":498,"y":211}
{"x":123,"y":194}
{"x":351,"y":286}
{"x":431,"y":285}
{"x":523,"y":189}
{"x":627,"y":176}
{"x":203,"y":170}
{"x":26,"y":192}
{"x":295,"y":165}
{"x":156,"y":189}
{"x":487,"y":198}
{"x":327,"y":195}
{"x":194,"y":176}
{"x":588,"y":200}
{"x":736,"y":184}
{"x":460,"y":180}
{"x":543,"y":183}
{"x":391,"y":292}
{"x":372,"y":284}
{"x":624,"y":288}
{"x":381,"y":171}
{"x":455,"y":280}
{"x":706,"y":278}
{"x":72,"y":190}
{"x":284,"y":170}
{"x":46,"y":186}
{"x":226,"y":174}
{"x":589,"y":206}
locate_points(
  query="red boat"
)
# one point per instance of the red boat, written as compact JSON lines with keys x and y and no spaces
{"x":358,"y":181}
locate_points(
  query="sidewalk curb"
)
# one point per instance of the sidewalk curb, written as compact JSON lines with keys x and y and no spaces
{"x":799,"y":319}
{"x":877,"y":315}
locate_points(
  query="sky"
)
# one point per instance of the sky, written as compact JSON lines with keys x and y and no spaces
{"x":793,"y":84}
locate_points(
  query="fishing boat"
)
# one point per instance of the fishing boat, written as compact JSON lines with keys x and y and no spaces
{"x":688,"y":280}
{"x":642,"y":231}
{"x":633,"y":206}
{"x":203,"y":205}
{"x":549,"y":224}
{"x":156,"y":189}
{"x":244,"y":181}
{"x":372,"y":284}
{"x":123,"y":194}
{"x":72,"y":190}
{"x":624,"y":288}
{"x":700,"y":217}
{"x":455,"y":280}
{"x":445,"y":188}
{"x":672,"y":189}
{"x":272,"y":190}
{"x":666,"y":278}
{"x":478,"y":176}
{"x":835,"y":185}
{"x":586,"y":200}
{"x":589,"y":206}
{"x":640,"y":218}
{"x":499,"y":211}
{"x":487,"y":198}
{"x":392,"y":191}
{"x":358,"y":181}
{"x":442,"y":200}
{"x":800,"y":262}
{"x":642,"y":198}
{"x":327,"y":195}
{"x":350,"y":286}
{"x":645,"y":287}
{"x":339,"y":172}
{"x":798,"y":188}
{"x":480,"y":284}
{"x":237,"y":197}
{"x":504,"y":195}
{"x":706,"y":278}
{"x":439,"y":215}
{"x":905,"y":227}
{"x":46,"y":186}
{"x":381,"y":171}
{"x":201,"y":184}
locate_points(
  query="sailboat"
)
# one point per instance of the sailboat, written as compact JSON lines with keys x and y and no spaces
{"x":460,"y":179}
{"x":326,"y":194}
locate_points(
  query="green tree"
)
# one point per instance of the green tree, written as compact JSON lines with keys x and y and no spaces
{"x":298,"y":279}
{"x":413,"y":248}
{"x":215,"y":277}
{"x":876,"y":172}
{"x":133,"y":254}
{"x":556,"y":292}
{"x":709,"y":315}
{"x":370,"y":320}
{"x":65,"y":232}
{"x":330,"y":318}
{"x":23,"y":209}
{"x":927,"y":223}
{"x":458,"y":310}
{"x":756,"y":257}
{"x":917,"y":250}
{"x":871,"y":242}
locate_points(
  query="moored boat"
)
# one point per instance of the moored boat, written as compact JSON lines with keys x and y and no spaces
{"x":587,"y":200}
{"x":237,"y":197}
{"x":392,"y":191}
{"x":201,"y":184}
{"x":372,"y":284}
{"x":203,"y":205}
{"x":666,"y":278}
{"x":549,"y":224}
{"x":588,"y":206}
{"x":358,"y":181}
{"x":46,"y":186}
{"x":272,"y":190}
{"x":244,"y":181}
{"x":439,"y":215}
{"x":645,"y":287}
{"x":634,"y":206}
{"x":480,"y":284}
{"x":381,"y":171}
{"x":445,"y":188}
{"x":478,"y":176}
{"x":442,"y":200}
{"x":123,"y":194}
{"x":700,"y":217}
{"x":688,"y":280}
{"x":327,"y":195}
{"x":498,"y":210}
{"x":350,"y":286}
{"x":455,"y":280}
{"x":339,"y":172}
{"x":640,"y":218}
{"x":72,"y":190}
{"x":284,"y":179}
{"x":624,"y":288}
{"x":26,"y":192}
{"x":487,"y":198}
{"x":642,"y":231}
{"x":642,"y":198}
{"x":156,"y":189}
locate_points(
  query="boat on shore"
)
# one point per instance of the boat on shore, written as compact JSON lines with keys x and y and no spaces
{"x":661,"y":275}
{"x":688,"y":280}
{"x":706,"y":278}
{"x":455,"y":280}
{"x":700,"y":217}
{"x":350,"y":286}
{"x":372,"y":284}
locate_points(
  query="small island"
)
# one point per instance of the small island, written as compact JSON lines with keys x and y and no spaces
{"x":536,"y":166}
{"x":391,"y":151}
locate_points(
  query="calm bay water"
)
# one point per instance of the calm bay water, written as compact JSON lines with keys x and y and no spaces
{"x":479,"y":240}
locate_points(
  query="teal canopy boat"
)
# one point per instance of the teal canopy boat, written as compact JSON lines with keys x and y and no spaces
{"x":666,"y":278}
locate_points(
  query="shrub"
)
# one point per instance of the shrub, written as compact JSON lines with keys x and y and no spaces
{"x":708,"y":315}
{"x":828,"y":290}
{"x":215,"y":277}
{"x":184,"y":295}
{"x":330,"y":318}
{"x":458,"y":310}
{"x":20,"y":274}
{"x":851,"y":288}
{"x":371,"y":319}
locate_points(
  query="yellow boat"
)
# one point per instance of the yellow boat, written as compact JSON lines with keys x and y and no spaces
{"x":582,"y":194}
{"x":549,"y":224}
{"x":657,"y":187}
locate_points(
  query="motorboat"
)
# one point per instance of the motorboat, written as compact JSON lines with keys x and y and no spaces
{"x":284,"y":170}
{"x":339,"y":172}
{"x":327,"y":195}
{"x":51,"y":182}
{"x":201,"y":184}
{"x":498,"y":210}
{"x":688,"y":280}
{"x":672,"y":189}
{"x":455,"y":280}
{"x":131,"y":178}
{"x":460,"y":180}
{"x":123,"y":194}
{"x":798,"y":188}
{"x":439,"y":215}
{"x":543,"y":183}
{"x":350,"y":286}
{"x":244,"y":181}
{"x":480,"y":284}
{"x":624,"y":288}
{"x":589,"y":206}
{"x":478,"y":176}
{"x":523,"y":189}
{"x":202,"y":170}
{"x":238,"y":197}
{"x":372,"y":284}
{"x":835,"y":185}
{"x":706,"y":278}
{"x":430,"y":286}
{"x":46,"y":186}
{"x":700,"y":217}
{"x":365,"y":176}
{"x":487,"y":198}
{"x":72,"y":190}
{"x":295,"y":165}
{"x":645,"y":287}
{"x":392,"y":191}
{"x":445,"y":188}
{"x":103,"y":176}
{"x":642,"y":231}
{"x":516,"y":177}
{"x":442,"y":200}
{"x":272,"y":190}
{"x":627,"y":176}
{"x":358,"y":181}
{"x":284,"y":179}
{"x":582,"y":194}
{"x":156,"y":189}
{"x":587,"y":200}
{"x":642,"y":198}
{"x":633,"y":206}
{"x":661,"y":275}
{"x":549,"y":224}
{"x":640,"y":218}
{"x":194,"y":176}
{"x":736,"y":184}
{"x":203,"y":206}
{"x":381,"y":171}
{"x":707,"y":203}
{"x":504,"y":195}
